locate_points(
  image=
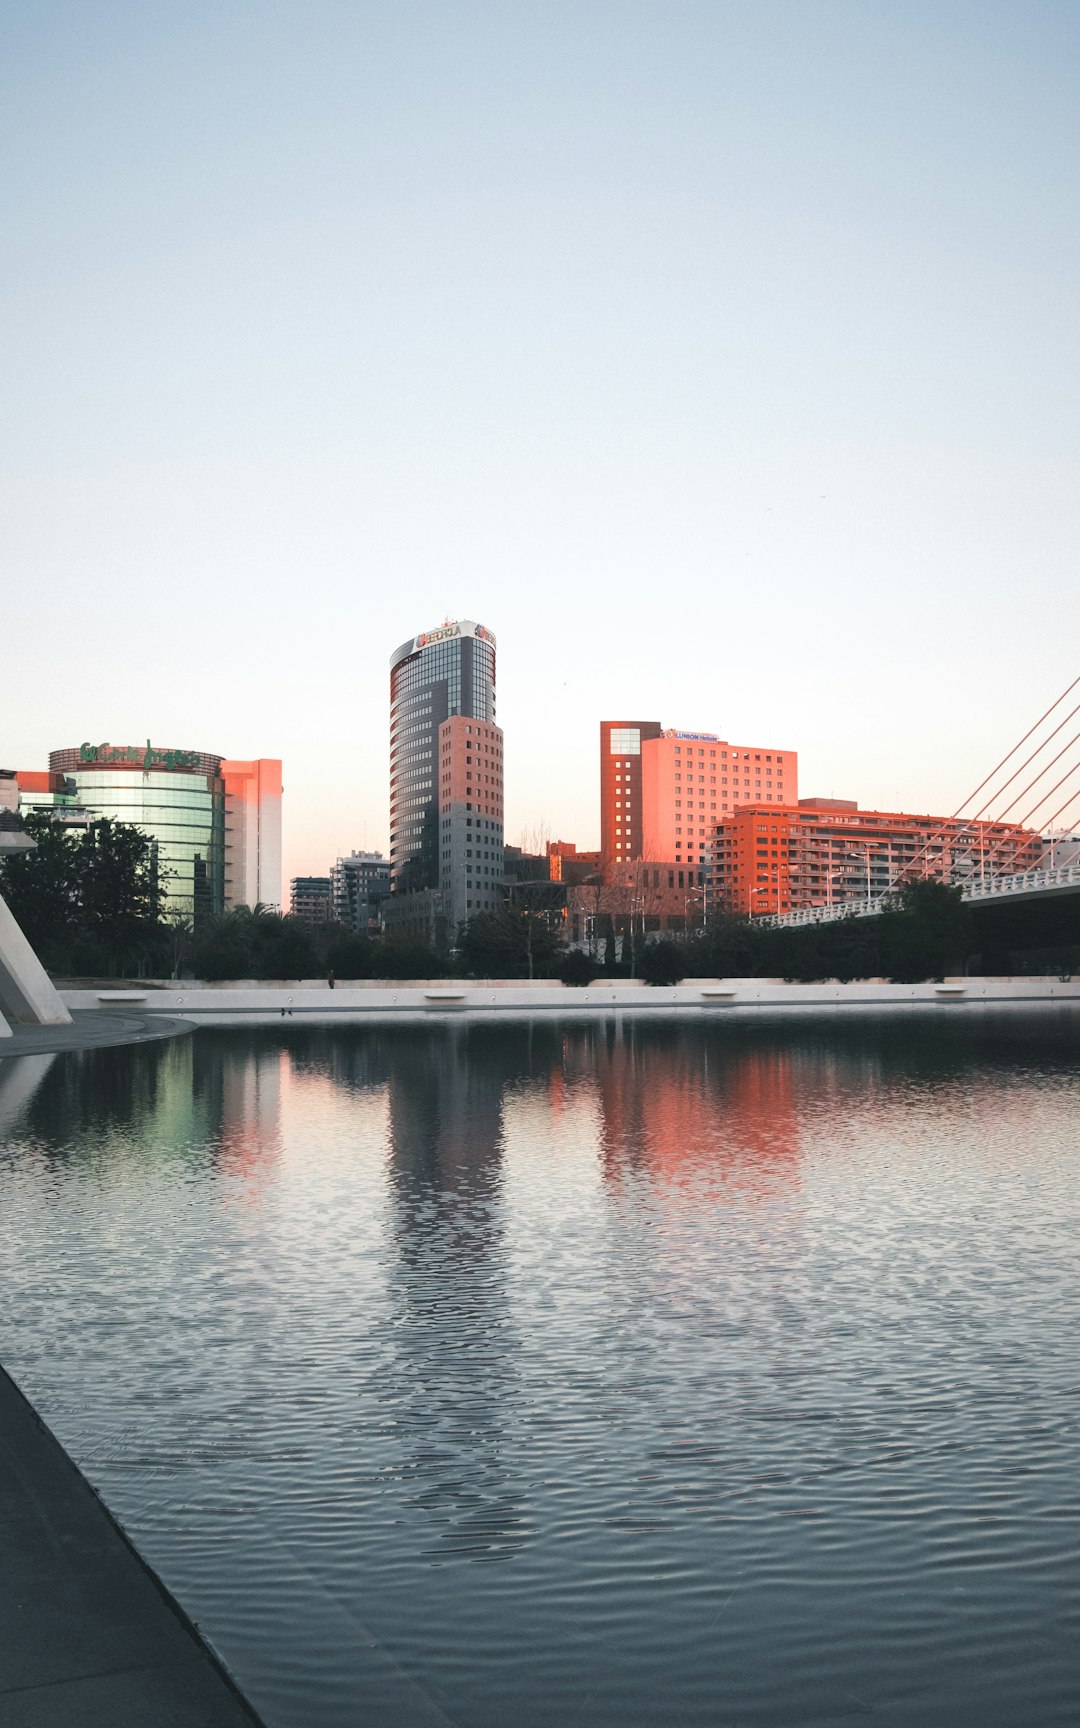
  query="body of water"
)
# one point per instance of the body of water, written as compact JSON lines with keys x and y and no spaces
{"x":723,"y":1372}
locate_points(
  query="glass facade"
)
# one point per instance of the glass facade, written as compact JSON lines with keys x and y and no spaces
{"x":451,"y":671}
{"x":182,"y":813}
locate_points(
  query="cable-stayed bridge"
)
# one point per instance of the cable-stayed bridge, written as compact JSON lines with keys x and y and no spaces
{"x":1016,"y":889}
{"x":1046,"y":801}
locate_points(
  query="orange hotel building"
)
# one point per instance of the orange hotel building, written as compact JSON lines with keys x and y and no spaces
{"x":662,"y":793}
{"x":828,"y":852}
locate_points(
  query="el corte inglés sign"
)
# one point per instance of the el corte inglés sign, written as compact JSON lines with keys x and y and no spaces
{"x":136,"y":756}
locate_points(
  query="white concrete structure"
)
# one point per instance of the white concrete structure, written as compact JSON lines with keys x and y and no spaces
{"x":26,"y":991}
{"x":309,"y":1000}
{"x":253,"y":833}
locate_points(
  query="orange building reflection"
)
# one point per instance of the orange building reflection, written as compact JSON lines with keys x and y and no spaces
{"x":251,"y":1096}
{"x":684,"y":1106}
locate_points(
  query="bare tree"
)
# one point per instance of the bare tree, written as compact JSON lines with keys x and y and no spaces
{"x":533,"y":898}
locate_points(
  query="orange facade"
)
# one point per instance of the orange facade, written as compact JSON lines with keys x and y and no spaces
{"x":663,"y":792}
{"x":692,"y":781}
{"x":828,"y":852}
{"x":567,"y":864}
{"x":252,"y":831}
{"x":470,"y":816}
{"x":621,"y":827}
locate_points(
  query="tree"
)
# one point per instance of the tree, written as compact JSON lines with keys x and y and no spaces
{"x":121,"y":893}
{"x":93,"y":894}
{"x":661,"y":963}
{"x":180,"y":931}
{"x":610,"y":961}
{"x":347,"y":953}
{"x":728,"y":947}
{"x":402,"y":956}
{"x":42,"y":887}
{"x":507,"y":943}
{"x":578,"y":968}
{"x":253,"y":942}
{"x":931,"y":932}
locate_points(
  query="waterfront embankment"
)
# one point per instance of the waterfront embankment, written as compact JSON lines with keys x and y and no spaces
{"x":374,"y":1002}
{"x":93,"y":1028}
{"x":89,"y":1634}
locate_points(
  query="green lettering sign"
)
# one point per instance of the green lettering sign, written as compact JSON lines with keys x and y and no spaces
{"x":107,"y":754}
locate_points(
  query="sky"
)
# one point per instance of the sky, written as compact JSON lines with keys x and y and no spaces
{"x":721,"y":358}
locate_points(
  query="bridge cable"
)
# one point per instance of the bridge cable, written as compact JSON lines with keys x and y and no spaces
{"x":906,"y":867}
{"x":1037,"y":751}
{"x":1045,"y":769}
{"x":1071,"y":799}
{"x":1018,"y":746}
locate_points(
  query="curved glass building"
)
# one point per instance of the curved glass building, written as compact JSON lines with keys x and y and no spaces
{"x":177,"y":798}
{"x":433,"y":677}
{"x":214,"y":825}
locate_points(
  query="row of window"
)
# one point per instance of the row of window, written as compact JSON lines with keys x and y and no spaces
{"x":745,"y":755}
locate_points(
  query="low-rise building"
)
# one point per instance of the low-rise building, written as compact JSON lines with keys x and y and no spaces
{"x":828,"y":852}
{"x":567,"y":864}
{"x":359,"y":884}
{"x":310,"y":900}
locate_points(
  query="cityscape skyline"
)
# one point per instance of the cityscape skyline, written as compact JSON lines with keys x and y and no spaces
{"x":654,"y":831}
{"x":723,"y":358}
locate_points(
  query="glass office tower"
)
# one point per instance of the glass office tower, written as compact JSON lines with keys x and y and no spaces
{"x":176,"y":797}
{"x":440,"y":673}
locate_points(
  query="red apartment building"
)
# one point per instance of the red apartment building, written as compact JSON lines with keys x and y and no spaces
{"x":828,"y":852}
{"x":693,"y":780}
{"x":663,"y":792}
{"x":621,"y":828}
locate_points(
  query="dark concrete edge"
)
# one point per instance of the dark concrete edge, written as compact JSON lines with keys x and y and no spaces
{"x":176,"y":1608}
{"x":53,"y":1040}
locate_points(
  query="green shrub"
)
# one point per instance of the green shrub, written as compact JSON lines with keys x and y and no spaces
{"x":661,"y":963}
{"x":578,"y":968}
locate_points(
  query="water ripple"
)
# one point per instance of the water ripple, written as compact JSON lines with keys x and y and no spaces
{"x":612,"y":1375}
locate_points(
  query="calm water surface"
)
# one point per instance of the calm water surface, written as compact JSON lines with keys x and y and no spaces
{"x":712,"y":1373}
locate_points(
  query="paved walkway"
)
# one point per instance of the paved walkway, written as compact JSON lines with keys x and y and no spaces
{"x":87,"y":1634}
{"x":92,"y":1029}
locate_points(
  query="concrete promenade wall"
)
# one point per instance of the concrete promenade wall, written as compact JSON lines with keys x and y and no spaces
{"x":252,"y":1004}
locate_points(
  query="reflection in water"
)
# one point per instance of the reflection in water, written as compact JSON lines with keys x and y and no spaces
{"x":745,"y":1348}
{"x":453,"y":1365}
{"x":19,"y":1080}
{"x":670,"y":1104}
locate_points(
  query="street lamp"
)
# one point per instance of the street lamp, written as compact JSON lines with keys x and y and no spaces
{"x":772,"y":888}
{"x":865,"y":847}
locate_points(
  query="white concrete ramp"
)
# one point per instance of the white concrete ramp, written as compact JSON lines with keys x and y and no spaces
{"x":27,"y":993}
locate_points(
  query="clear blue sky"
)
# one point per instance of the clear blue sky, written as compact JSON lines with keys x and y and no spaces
{"x":721,"y":358}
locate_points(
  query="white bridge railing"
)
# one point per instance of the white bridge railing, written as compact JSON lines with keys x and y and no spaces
{"x":990,"y":888}
{"x":1062,"y":876}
